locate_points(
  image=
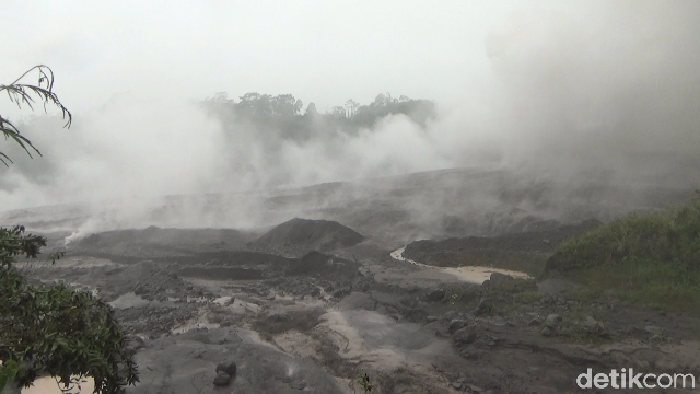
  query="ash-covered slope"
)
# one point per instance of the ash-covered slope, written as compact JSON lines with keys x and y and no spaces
{"x":159,"y":242}
{"x":523,"y":251}
{"x":300,"y":236}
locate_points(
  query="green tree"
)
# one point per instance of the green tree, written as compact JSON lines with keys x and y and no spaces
{"x":52,"y":330}
{"x":298,"y":105}
{"x":338,"y":111}
{"x":351,"y":107}
{"x":23,"y":94}
{"x":311,"y":109}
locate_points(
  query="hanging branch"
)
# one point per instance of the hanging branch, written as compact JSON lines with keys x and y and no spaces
{"x":23,"y":94}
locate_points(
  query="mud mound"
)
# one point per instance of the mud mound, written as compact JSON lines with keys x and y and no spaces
{"x":526,"y":250}
{"x":254,"y":265}
{"x":309,"y":235}
{"x":159,"y":242}
{"x":534,"y":240}
{"x":232,"y":259}
{"x":319,"y":264}
{"x":221,"y":273}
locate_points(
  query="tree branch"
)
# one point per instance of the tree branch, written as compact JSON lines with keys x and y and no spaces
{"x":22,"y":94}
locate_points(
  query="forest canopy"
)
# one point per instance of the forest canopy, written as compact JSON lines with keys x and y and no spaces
{"x":286,"y":114}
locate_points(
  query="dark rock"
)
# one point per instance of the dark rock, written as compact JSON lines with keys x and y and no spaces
{"x":142,"y":290}
{"x":136,"y":342}
{"x":222,"y":379}
{"x":483,"y":307}
{"x":464,"y":336}
{"x":591,"y":326}
{"x":435,"y":296}
{"x":449,"y":316}
{"x":547,"y":331}
{"x":456,"y":325}
{"x":227,"y":368}
{"x":277,"y":318}
{"x":298,"y":385}
{"x":438,"y":328}
{"x":497,"y":280}
{"x":553,"y":320}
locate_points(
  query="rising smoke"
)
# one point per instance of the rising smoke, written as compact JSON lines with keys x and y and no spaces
{"x":609,"y":89}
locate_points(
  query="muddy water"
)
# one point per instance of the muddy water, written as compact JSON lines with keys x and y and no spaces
{"x":48,"y":385}
{"x":473,"y":274}
{"x":128,"y":300}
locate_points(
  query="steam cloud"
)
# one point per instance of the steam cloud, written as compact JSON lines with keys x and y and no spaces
{"x":612,"y":87}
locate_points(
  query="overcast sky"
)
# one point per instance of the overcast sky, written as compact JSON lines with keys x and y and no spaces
{"x":321,"y":51}
{"x":560,"y":83}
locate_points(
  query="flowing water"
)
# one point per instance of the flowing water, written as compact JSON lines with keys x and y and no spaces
{"x":473,"y":274}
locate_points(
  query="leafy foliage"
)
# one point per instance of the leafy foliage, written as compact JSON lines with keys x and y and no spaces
{"x":282,"y":113}
{"x":52,"y":330}
{"x":22,"y":94}
{"x":652,"y":258}
{"x":8,"y":372}
{"x":364,"y":381}
{"x":56,"y":330}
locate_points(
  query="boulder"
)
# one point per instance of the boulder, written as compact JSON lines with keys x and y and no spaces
{"x":227,"y":368}
{"x":435,"y":296}
{"x":483,"y":307}
{"x":553,"y":320}
{"x":456,"y":325}
{"x":547,"y":331}
{"x":497,"y":280}
{"x":464,"y":336}
{"x":591,"y":326}
{"x":222,"y":379}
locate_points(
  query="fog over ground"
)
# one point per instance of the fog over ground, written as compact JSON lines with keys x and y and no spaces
{"x":551,"y":88}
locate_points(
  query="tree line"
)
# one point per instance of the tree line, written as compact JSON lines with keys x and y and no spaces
{"x":283,"y":113}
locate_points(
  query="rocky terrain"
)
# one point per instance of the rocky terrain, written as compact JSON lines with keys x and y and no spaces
{"x":306,"y":305}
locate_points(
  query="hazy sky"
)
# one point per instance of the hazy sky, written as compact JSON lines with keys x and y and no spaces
{"x":322,"y":51}
{"x":561,"y":84}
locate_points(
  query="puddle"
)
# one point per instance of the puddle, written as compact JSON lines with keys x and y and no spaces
{"x":85,"y":262}
{"x":480,"y":274}
{"x":198,"y":300}
{"x":191,"y":326}
{"x":126,"y":301}
{"x":223,"y":301}
{"x":48,"y":385}
{"x":473,"y":274}
{"x":200,"y":322}
{"x":379,"y":340}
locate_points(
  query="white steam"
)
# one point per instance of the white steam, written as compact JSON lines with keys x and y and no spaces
{"x":605,"y":85}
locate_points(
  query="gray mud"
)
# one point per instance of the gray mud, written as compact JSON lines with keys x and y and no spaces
{"x":308,"y":305}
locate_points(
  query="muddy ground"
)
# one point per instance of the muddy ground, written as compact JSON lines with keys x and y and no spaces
{"x":308,"y":305}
